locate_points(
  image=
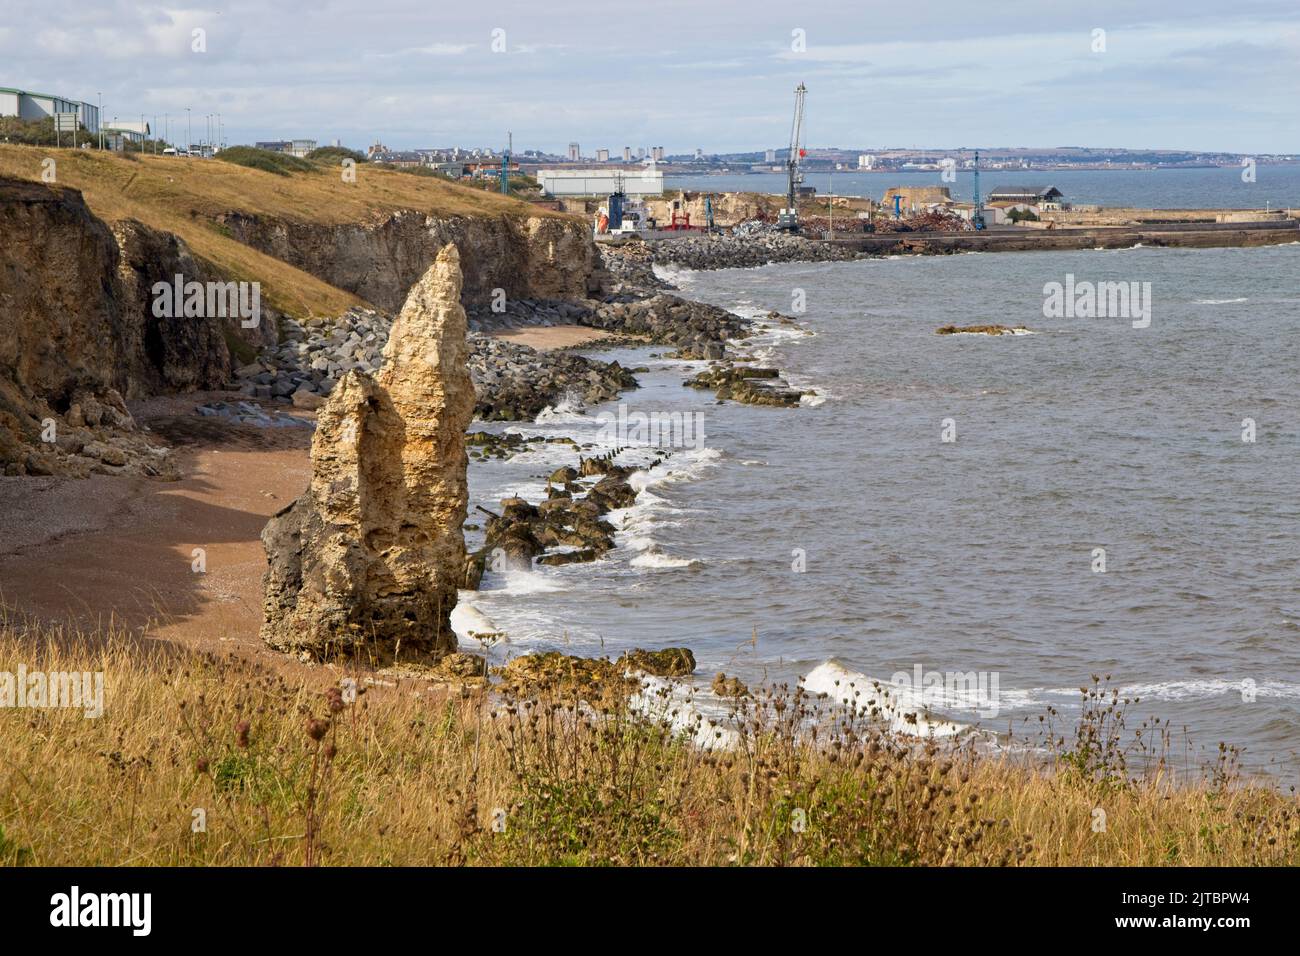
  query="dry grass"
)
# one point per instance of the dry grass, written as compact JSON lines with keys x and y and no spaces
{"x":294,"y":774}
{"x":184,"y":196}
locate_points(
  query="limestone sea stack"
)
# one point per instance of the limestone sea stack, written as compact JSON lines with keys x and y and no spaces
{"x":368,"y":560}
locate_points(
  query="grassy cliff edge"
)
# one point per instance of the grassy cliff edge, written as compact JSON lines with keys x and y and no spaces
{"x":204,"y":760}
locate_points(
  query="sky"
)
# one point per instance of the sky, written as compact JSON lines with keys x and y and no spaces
{"x":720,"y":76}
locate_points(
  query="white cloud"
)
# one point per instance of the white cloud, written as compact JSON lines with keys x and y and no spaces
{"x":432,"y":49}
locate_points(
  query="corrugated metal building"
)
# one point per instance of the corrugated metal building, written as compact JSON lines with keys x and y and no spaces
{"x":37,"y":106}
{"x":600,"y":182}
{"x":133,"y":130}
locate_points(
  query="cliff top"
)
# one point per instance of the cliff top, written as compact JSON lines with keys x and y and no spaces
{"x":185,"y":197}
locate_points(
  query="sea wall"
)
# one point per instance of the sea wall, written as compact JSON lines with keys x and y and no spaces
{"x":1191,"y":235}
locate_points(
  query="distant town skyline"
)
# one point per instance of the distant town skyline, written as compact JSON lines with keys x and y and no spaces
{"x":1192,"y":75}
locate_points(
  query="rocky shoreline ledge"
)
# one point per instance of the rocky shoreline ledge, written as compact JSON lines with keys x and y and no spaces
{"x":633,"y":261}
{"x":512,"y":381}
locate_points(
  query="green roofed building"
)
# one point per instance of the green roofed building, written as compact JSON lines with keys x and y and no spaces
{"x":27,"y":105}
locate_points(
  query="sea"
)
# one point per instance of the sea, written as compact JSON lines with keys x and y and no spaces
{"x":1274,"y":186}
{"x":1100,"y":501}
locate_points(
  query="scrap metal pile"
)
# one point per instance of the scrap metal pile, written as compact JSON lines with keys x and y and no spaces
{"x":932,"y":221}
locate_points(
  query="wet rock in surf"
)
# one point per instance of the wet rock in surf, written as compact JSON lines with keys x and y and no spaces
{"x":747,"y":384}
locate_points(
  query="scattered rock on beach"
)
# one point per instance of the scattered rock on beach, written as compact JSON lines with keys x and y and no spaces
{"x":512,"y":382}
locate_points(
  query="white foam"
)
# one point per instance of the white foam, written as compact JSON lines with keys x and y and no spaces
{"x":673,"y":274}
{"x":1205,"y":688}
{"x":518,"y":582}
{"x":469,"y":624}
{"x":564,"y":412}
{"x":651,"y":557}
{"x":855,"y":689}
{"x":505,"y":487}
{"x":685,"y":712}
{"x":686,"y":465}
{"x":1218,"y":301}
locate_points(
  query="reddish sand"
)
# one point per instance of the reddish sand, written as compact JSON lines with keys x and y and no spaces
{"x":89,"y":551}
{"x":547,"y":337}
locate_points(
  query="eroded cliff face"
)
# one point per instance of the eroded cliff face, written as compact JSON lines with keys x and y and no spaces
{"x":370,"y":557}
{"x":78,"y":335}
{"x":535,"y":257}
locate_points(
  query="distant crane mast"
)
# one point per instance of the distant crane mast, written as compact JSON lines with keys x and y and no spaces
{"x":788,"y":219}
{"x":505,"y":163}
{"x":977,"y":217}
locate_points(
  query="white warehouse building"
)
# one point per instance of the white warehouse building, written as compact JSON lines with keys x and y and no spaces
{"x":37,"y":106}
{"x":137,"y":131}
{"x":600,"y":182}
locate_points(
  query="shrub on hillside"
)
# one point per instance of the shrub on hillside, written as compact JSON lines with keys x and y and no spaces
{"x":281,"y":164}
{"x":38,"y":132}
{"x":333,"y":155}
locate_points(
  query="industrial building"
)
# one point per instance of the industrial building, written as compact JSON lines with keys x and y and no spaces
{"x":913,"y":199}
{"x":134,"y":131}
{"x":1044,"y":197}
{"x":27,"y":105}
{"x":294,"y":147}
{"x":600,"y":182}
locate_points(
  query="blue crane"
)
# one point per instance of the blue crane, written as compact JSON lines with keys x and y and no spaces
{"x":505,"y":164}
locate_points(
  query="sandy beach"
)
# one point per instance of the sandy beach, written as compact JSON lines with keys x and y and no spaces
{"x":84,"y":552}
{"x":546,"y":338}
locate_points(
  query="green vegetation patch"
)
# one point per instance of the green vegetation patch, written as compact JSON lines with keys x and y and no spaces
{"x":281,"y":164}
{"x":333,"y":155}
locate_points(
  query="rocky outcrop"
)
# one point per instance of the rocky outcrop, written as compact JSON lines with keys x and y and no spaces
{"x":669,"y":320}
{"x":78,"y":336}
{"x":515,"y":382}
{"x":569,"y":527}
{"x":593,"y":677}
{"x":980,"y":330}
{"x":369,"y":558}
{"x":539,"y":257}
{"x":176,"y":353}
{"x":747,"y":384}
